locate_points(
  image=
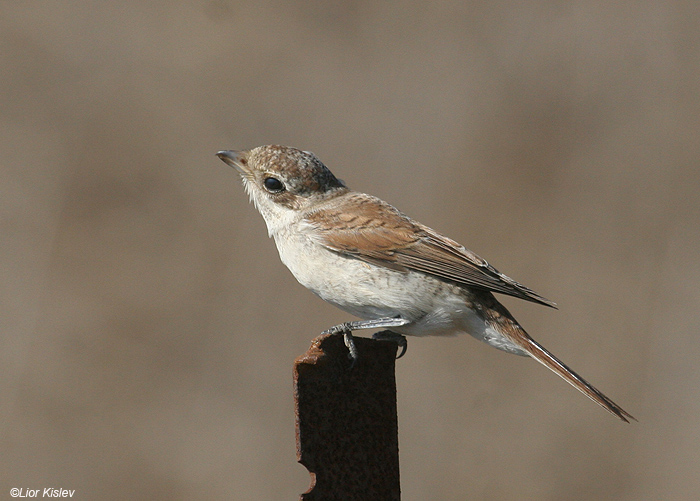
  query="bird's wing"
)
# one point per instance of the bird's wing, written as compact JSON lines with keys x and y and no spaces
{"x":369,"y":229}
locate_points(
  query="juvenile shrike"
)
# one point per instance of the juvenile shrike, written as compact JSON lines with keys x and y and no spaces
{"x":369,"y":259}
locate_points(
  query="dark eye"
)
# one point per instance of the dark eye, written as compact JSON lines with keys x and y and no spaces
{"x":273,"y":185}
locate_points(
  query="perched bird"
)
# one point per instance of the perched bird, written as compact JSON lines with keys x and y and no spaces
{"x":369,"y":259}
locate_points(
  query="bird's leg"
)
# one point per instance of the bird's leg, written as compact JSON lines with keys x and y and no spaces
{"x":346,"y":329}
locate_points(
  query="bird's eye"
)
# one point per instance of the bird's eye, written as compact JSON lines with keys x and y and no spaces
{"x":273,"y":185}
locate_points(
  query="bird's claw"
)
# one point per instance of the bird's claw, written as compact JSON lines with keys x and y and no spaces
{"x":394,"y":337}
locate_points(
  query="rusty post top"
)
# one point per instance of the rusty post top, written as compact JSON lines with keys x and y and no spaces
{"x":347,"y":426}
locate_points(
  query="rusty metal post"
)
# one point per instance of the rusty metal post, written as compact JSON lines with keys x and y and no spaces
{"x":347,"y":425}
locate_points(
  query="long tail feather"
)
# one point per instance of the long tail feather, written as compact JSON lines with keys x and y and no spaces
{"x":501,"y":319}
{"x":539,"y":353}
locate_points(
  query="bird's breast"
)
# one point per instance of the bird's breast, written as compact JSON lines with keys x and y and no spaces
{"x":372,"y":291}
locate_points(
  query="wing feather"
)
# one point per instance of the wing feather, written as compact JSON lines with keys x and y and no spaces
{"x":369,"y":229}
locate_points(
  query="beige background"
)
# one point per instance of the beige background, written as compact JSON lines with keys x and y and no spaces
{"x":148,"y":328}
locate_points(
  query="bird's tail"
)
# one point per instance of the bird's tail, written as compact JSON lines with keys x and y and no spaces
{"x":501,"y":320}
{"x":540,"y":353}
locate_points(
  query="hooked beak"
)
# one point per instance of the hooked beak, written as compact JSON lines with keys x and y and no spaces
{"x":237,"y":159}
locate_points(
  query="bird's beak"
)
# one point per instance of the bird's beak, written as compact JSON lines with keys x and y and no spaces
{"x":237,"y":159}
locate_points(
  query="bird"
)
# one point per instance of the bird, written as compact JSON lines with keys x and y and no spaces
{"x":371,"y":260}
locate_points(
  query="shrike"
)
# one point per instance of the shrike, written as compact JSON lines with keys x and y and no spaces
{"x":369,"y":259}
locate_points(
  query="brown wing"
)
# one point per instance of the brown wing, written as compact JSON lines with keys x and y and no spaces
{"x":372,"y":230}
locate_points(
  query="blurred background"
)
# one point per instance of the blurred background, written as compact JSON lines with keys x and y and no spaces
{"x":148,"y":328}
